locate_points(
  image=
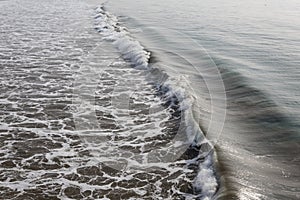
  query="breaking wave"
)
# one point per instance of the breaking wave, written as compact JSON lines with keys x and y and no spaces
{"x":205,"y":183}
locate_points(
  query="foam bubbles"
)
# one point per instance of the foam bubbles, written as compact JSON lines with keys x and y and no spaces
{"x":107,"y":25}
{"x":206,"y":181}
{"x":174,"y":92}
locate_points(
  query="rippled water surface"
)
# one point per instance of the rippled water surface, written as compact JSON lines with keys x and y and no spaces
{"x":77,"y":120}
{"x":113,"y":102}
{"x":255,"y":47}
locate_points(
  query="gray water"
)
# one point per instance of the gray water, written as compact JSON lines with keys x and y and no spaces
{"x":78,"y":121}
{"x":255,"y":45}
{"x":72,"y":103}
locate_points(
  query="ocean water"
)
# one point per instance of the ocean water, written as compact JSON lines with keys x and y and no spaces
{"x":149,"y":99}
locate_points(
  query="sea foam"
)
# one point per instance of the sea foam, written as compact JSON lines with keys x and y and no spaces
{"x":205,"y":183}
{"x":107,"y":25}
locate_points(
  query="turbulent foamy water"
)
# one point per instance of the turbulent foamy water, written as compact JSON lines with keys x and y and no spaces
{"x":120,"y":100}
{"x":85,"y":116}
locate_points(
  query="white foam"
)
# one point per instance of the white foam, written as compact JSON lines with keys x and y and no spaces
{"x":206,"y":180}
{"x":108,"y":26}
{"x":131,"y":49}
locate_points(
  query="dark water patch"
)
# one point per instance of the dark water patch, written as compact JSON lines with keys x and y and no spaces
{"x":267,"y":135}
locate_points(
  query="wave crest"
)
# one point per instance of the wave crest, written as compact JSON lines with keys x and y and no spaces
{"x":107,"y":25}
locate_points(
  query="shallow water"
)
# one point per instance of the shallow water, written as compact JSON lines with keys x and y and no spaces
{"x":255,"y":48}
{"x":114,"y":102}
{"x":78,"y":121}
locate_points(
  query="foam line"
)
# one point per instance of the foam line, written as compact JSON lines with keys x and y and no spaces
{"x":175,"y":90}
{"x":107,"y":25}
